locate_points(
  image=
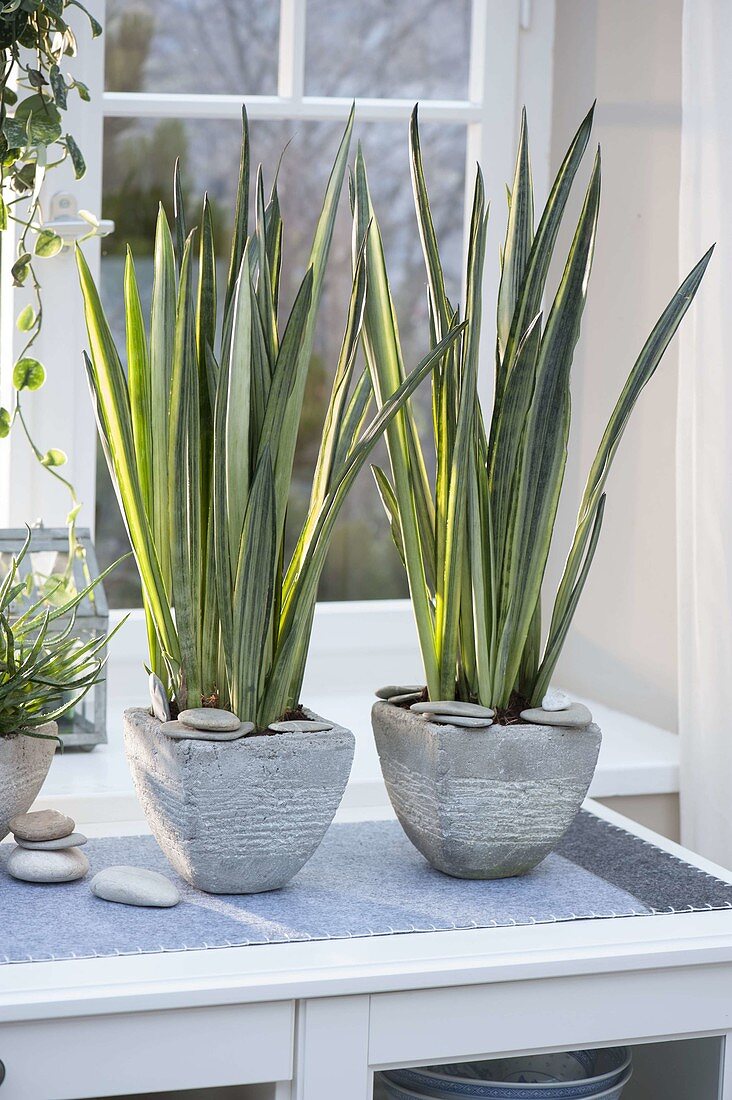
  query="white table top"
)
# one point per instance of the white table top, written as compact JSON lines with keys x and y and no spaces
{"x":370,"y":965}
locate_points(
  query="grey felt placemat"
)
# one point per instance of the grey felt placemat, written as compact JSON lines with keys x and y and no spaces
{"x":366,"y":879}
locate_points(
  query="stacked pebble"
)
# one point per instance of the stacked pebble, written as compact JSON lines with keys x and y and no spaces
{"x":443,"y":712}
{"x":557,"y":709}
{"x":401,"y":694}
{"x":451,"y":712}
{"x":48,"y":849}
{"x":198,"y":723}
{"x":207,"y":724}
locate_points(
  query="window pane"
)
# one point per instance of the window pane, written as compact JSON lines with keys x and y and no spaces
{"x":414,"y":49}
{"x":199,"y":46}
{"x":363,"y":562}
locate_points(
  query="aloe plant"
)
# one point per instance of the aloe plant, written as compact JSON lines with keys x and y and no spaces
{"x":475,"y":545}
{"x":44,"y":671}
{"x":200,"y":442}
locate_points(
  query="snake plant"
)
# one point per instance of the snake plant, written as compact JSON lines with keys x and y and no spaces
{"x":475,"y":546}
{"x":200,"y":441}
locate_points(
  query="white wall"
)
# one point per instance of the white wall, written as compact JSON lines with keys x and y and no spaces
{"x":627,"y":54}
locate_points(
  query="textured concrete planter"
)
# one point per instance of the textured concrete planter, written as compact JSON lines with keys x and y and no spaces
{"x":483,"y":803}
{"x":24,"y":764}
{"x":238,"y":817}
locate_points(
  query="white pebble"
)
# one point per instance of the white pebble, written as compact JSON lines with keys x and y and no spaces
{"x":556,"y":700}
{"x":134,"y":886}
{"x":66,"y":865}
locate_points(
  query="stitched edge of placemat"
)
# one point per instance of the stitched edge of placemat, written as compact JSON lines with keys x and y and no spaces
{"x":647,"y":874}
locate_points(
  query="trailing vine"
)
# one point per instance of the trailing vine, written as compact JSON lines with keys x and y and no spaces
{"x":35,"y":38}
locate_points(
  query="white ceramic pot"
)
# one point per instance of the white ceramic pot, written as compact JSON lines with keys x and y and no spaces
{"x":24,"y":764}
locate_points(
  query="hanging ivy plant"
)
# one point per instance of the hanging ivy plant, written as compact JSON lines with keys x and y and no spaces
{"x":35,"y":40}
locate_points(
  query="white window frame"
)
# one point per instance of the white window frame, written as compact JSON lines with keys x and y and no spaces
{"x":510,"y":64}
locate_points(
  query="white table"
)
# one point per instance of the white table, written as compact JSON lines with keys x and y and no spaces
{"x":313,"y":1021}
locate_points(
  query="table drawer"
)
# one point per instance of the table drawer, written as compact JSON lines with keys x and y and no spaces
{"x":487,"y":1021}
{"x":69,"y":1059}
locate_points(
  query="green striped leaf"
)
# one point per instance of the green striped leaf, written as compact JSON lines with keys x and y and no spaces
{"x":296,"y":618}
{"x":519,"y":237}
{"x":289,"y":365}
{"x":341,"y":383}
{"x":184,"y":475}
{"x":542,"y":250}
{"x":223,"y":564}
{"x":253,"y":592}
{"x":383,"y":355}
{"x":181,"y":233}
{"x":138,"y":378}
{"x":264,"y":294}
{"x":318,"y":261}
{"x":238,"y":445}
{"x":206,"y":314}
{"x":162,"y":335}
{"x":643,"y":370}
{"x":111,"y":402}
{"x":354,"y":419}
{"x":449,"y":584}
{"x":241,"y":216}
{"x":544,"y":452}
{"x":391,"y":507}
{"x":559,"y":629}
{"x":509,"y":428}
{"x":441,"y":312}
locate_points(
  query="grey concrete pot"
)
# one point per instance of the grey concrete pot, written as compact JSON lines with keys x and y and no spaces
{"x":24,"y":764}
{"x":238,"y":817}
{"x":485,"y":803}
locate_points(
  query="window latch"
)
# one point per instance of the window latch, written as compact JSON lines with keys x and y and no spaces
{"x":71,"y":224}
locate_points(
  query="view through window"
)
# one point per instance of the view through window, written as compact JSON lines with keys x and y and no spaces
{"x":417,"y":49}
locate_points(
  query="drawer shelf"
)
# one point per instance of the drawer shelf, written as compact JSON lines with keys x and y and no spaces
{"x":673,"y":1069}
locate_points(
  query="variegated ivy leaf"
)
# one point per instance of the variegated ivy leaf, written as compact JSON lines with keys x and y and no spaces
{"x":77,"y":158}
{"x":40,"y":119}
{"x":58,"y":86}
{"x":48,"y":244}
{"x":28,"y":374}
{"x":20,"y":269}
{"x":26,"y":319}
{"x":54,"y":457}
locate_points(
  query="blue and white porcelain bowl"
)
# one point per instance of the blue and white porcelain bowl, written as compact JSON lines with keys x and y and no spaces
{"x":392,"y":1091}
{"x":571,"y":1075}
{"x":507,"y":1091}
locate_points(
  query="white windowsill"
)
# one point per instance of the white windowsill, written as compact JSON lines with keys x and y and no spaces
{"x":636,"y":759}
{"x":355,"y":647}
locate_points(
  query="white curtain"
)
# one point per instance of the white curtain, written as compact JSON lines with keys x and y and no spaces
{"x":704,"y":441}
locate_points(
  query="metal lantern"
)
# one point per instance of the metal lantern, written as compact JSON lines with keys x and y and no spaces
{"x":85,"y":725}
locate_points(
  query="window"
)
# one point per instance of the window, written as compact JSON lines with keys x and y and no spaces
{"x":169,"y":78}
